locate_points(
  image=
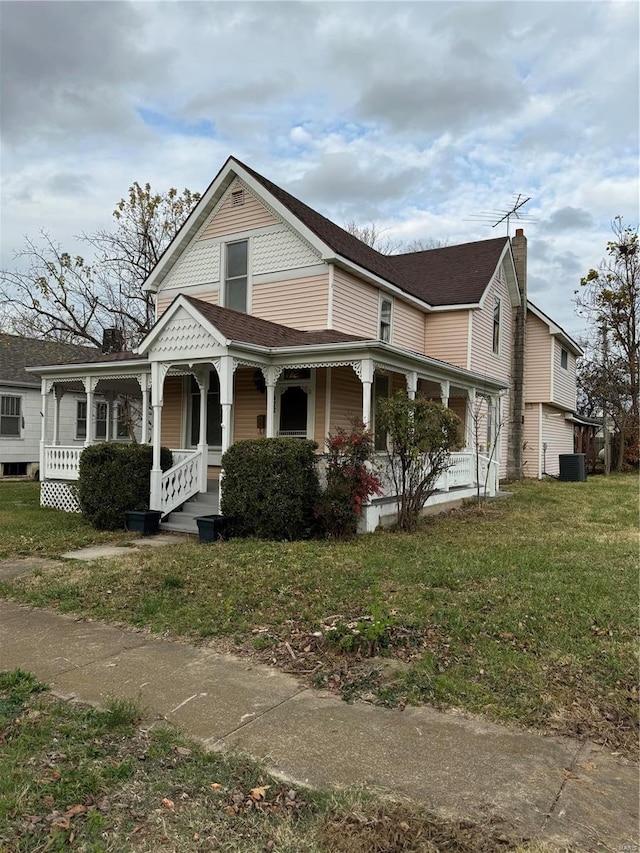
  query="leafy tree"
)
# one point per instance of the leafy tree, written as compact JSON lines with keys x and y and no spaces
{"x":609,"y":297}
{"x":57,"y":295}
{"x":420,"y":435}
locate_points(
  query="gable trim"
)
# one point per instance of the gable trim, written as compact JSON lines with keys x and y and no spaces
{"x":180,"y":302}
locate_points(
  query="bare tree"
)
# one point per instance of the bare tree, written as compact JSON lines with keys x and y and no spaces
{"x":58,"y":295}
{"x":609,"y":297}
{"x":374,"y":235}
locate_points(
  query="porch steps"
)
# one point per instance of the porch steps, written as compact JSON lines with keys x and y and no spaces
{"x":183,"y":520}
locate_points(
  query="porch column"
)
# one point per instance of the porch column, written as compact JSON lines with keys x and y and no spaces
{"x":158,"y":372}
{"x":271,"y":375}
{"x":108,"y":426}
{"x":366,"y":377}
{"x":144,"y":387}
{"x":444,"y":393}
{"x":226,"y":399}
{"x":412,"y":385}
{"x":43,"y":428}
{"x":469,"y":415}
{"x":202,"y":378}
{"x":89,"y":389}
{"x":58,"y":394}
{"x":494,"y":452}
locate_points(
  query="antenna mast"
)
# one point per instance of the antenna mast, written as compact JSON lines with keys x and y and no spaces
{"x":488,"y":217}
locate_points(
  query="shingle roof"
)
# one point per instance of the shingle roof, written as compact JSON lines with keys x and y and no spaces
{"x":17,"y":352}
{"x":454,"y":275}
{"x":246,"y":328}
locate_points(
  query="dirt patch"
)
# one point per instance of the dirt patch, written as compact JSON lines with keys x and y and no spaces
{"x":23,"y":566}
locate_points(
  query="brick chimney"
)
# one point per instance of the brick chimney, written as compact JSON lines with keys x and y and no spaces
{"x":112,"y":340}
{"x":514,"y":460}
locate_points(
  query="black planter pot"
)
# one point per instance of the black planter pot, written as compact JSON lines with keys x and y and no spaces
{"x":145,"y":521}
{"x":210,"y":527}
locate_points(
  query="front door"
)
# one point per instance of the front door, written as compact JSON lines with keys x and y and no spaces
{"x":294,"y":401}
{"x":214,"y":417}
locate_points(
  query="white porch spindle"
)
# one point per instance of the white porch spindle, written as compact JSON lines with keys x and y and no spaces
{"x":469,"y":414}
{"x":270,"y":382}
{"x":226,"y":399}
{"x":43,"y":430}
{"x":366,"y":377}
{"x":88,"y":387}
{"x":412,"y":385}
{"x":58,"y":392}
{"x":444,"y":393}
{"x":202,"y":378}
{"x":144,"y":387}
{"x":157,"y":382}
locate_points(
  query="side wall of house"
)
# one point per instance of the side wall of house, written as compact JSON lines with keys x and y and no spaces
{"x":557,"y":434}
{"x":531,"y":442}
{"x":408,"y":327}
{"x":564,"y":379}
{"x":447,"y":337}
{"x":537,"y":362}
{"x":355,"y":305}
{"x":346,"y":397}
{"x":172,"y":412}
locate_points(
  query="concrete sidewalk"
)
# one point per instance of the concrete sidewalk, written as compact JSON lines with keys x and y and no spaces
{"x":542,"y":787}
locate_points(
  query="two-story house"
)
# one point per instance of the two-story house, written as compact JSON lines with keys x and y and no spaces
{"x":287,"y":325}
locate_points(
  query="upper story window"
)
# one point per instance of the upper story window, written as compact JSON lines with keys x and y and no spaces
{"x":10,"y":416}
{"x":386,"y":307}
{"x":236,"y":276}
{"x":496,"y":325}
{"x":564,"y":359}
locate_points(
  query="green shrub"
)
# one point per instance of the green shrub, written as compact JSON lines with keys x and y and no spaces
{"x":270,"y":488}
{"x":115,"y":478}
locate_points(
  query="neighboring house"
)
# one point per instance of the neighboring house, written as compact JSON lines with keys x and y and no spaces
{"x":21,"y":404}
{"x":288,"y":325}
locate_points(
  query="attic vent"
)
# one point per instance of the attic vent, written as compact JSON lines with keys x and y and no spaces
{"x":237,"y":198}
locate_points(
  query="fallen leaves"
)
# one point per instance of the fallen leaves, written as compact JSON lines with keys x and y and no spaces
{"x":279,"y":802}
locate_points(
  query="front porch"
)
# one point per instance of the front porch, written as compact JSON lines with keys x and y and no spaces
{"x":195,"y":388}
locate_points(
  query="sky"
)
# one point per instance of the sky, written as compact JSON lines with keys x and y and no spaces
{"x":417,"y":116}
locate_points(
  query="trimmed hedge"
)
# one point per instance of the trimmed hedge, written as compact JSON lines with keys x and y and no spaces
{"x":115,"y":478}
{"x":270,"y":488}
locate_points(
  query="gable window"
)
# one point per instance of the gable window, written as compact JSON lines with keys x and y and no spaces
{"x":385,"y":320}
{"x":496,"y":325}
{"x":564,"y":359}
{"x":10,"y":416}
{"x":81,"y":419}
{"x":235,"y":282}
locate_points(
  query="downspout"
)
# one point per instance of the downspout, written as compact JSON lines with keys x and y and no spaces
{"x":514,"y":460}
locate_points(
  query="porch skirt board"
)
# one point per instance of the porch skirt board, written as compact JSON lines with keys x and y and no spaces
{"x":59,"y":496}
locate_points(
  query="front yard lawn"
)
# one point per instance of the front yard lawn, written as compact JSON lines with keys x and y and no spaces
{"x":524,"y":610}
{"x":86,"y":779}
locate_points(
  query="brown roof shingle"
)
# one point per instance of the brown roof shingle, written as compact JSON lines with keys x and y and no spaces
{"x":454,"y":275}
{"x":17,"y":352}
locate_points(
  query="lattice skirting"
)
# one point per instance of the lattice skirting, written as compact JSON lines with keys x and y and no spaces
{"x":59,"y":496}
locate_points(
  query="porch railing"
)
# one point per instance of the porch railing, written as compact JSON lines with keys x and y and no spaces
{"x":61,"y":463}
{"x":182,"y":481}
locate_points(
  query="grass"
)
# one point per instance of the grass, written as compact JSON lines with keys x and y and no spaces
{"x":97,"y":781}
{"x":29,"y":530}
{"x":524,"y":610}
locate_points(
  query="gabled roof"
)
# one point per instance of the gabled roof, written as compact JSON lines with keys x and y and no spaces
{"x":555,"y":329}
{"x":455,"y":275}
{"x":18,"y":353}
{"x":245,"y":328}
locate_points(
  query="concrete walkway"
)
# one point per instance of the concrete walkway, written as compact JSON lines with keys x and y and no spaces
{"x":542,"y":787}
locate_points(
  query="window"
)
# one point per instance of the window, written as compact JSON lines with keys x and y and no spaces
{"x":10,"y":416}
{"x":380,"y":392}
{"x":385,"y":320}
{"x":496,"y":325}
{"x":81,"y":419}
{"x":564,"y":359}
{"x":123,"y":416}
{"x":101,"y":420}
{"x":235,"y":283}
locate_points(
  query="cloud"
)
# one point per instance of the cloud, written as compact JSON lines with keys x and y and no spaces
{"x":567,"y":219}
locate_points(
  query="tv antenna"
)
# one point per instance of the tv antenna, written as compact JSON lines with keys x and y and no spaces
{"x":495,"y":217}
